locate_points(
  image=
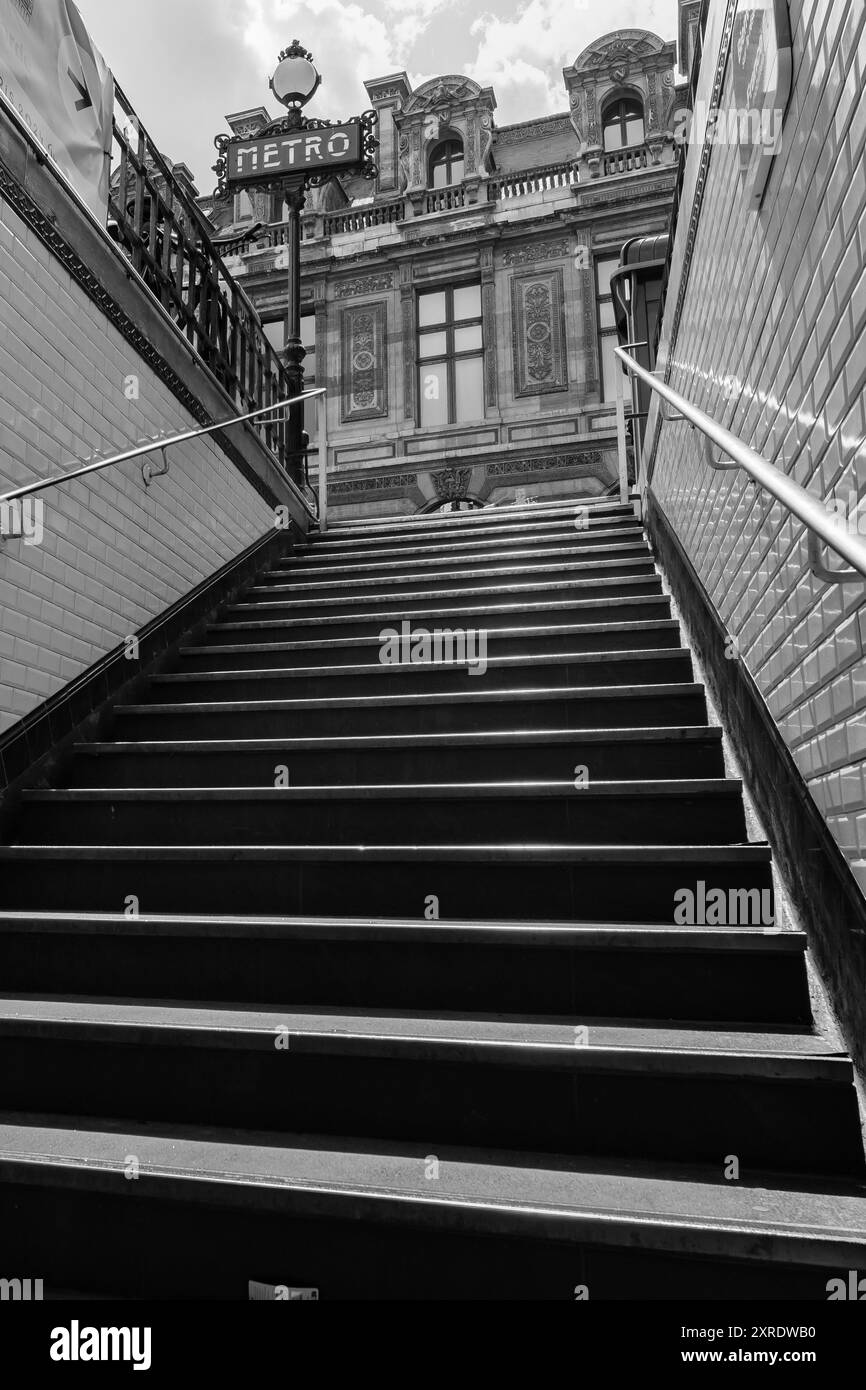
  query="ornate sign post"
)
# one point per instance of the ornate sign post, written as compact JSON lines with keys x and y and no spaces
{"x":291,"y":155}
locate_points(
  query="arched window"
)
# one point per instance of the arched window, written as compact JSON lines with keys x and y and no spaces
{"x":446,"y":164}
{"x":457,"y":504}
{"x":622,"y":123}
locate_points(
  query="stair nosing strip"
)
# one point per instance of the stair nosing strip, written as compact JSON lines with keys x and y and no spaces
{"x":590,"y":936}
{"x":642,"y":562}
{"x":720,"y":788}
{"x":445,"y":697}
{"x":370,"y":668}
{"x":565,"y":543}
{"x":513,"y":634}
{"x":550,"y":606}
{"x":565,"y":585}
{"x":828,"y":1245}
{"x":653,"y":1051}
{"x":665,"y":734}
{"x":635,"y":543}
{"x":509,"y":853}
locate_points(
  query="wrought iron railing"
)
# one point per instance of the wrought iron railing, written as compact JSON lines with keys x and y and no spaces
{"x":539,"y":180}
{"x":154,"y":218}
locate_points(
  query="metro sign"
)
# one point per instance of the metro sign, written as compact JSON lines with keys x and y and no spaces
{"x":263,"y":160}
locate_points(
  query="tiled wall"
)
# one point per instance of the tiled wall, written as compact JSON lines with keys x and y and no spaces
{"x":114,"y":555}
{"x":771,"y":343}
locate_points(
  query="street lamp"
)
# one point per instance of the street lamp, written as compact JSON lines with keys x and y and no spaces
{"x":290,"y":155}
{"x":296,"y":80}
{"x":293,"y":84}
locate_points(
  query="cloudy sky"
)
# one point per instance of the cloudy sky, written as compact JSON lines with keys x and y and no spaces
{"x":185,"y":63}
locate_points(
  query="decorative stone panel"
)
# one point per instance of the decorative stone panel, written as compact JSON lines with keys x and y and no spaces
{"x":363,"y":335}
{"x":396,"y":482}
{"x":588,"y":460}
{"x":537,"y":251}
{"x":538,"y":333}
{"x":363,"y":284}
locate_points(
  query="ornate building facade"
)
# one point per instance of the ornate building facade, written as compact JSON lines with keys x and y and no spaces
{"x":458,"y":311}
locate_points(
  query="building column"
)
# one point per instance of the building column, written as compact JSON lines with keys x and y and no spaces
{"x":488,"y":312}
{"x":408,"y":331}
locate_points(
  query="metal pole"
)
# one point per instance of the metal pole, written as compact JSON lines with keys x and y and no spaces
{"x":294,"y":196}
{"x":322,"y":405}
{"x":620,"y":435}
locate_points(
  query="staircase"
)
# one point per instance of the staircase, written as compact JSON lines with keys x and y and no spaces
{"x":421,"y":1023}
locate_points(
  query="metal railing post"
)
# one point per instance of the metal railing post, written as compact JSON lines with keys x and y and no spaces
{"x":620,"y":434}
{"x":323,"y":462}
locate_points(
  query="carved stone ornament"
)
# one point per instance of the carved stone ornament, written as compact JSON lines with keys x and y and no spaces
{"x":364,"y":362}
{"x":538,"y":333}
{"x":452,"y":484}
{"x":365,"y":284}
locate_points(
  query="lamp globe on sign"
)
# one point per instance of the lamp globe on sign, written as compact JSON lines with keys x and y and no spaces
{"x":296,"y":79}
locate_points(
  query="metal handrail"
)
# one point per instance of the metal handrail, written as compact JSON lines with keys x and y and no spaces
{"x":804,"y":505}
{"x":151,"y":446}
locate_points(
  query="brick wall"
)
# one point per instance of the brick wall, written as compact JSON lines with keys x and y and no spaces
{"x":771,"y":344}
{"x":113,"y":554}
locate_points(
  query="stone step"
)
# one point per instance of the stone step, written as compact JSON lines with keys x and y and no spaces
{"x":534,"y":641}
{"x":369,"y":623}
{"x":610,"y":754}
{"x":405,"y":1221}
{"x":565,"y":560}
{"x":419,"y":599}
{"x":574,"y":883}
{"x":436,"y":710}
{"x":697,"y":812}
{"x":579,"y":1087}
{"x":725,"y":975}
{"x":449,"y":664}
{"x":523,"y":542}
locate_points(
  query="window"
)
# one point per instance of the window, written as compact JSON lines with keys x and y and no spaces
{"x":308,"y":338}
{"x":607,"y":335}
{"x":450,"y":356}
{"x":622,"y":124}
{"x":446,"y":164}
{"x":275,"y":332}
{"x":458,"y":504}
{"x":243,"y":206}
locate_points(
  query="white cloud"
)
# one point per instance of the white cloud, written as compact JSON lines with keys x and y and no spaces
{"x":348,"y":43}
{"x":522,"y":57}
{"x":224,"y":51}
{"x":408,"y":20}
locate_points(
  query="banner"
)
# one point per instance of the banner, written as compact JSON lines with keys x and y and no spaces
{"x":58,"y":82}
